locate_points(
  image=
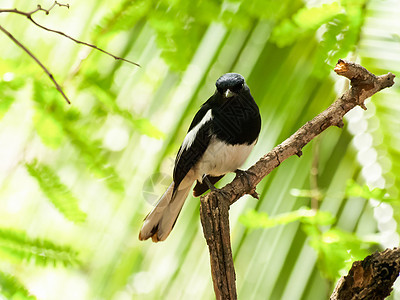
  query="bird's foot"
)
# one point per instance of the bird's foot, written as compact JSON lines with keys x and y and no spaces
{"x":212,"y":188}
{"x":223,"y":193}
{"x":246,"y":174}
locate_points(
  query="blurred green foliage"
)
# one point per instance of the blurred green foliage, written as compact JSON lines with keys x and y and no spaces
{"x":336,"y":248}
{"x":95,"y":160}
{"x":254,"y":219}
{"x":53,"y":122}
{"x":11,"y":288}
{"x":16,"y":246}
{"x":56,"y":191}
{"x":354,"y":189}
{"x":6,"y":94}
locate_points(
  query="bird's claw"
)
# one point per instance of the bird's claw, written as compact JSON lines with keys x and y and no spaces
{"x":223,"y":193}
{"x":246,"y":174}
{"x":212,"y":188}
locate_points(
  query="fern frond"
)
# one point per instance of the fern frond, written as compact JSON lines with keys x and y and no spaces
{"x":96,"y":161}
{"x":11,"y":288}
{"x":66,"y":120}
{"x":56,"y":192}
{"x":108,"y":104}
{"x":123,"y":17}
{"x":16,"y":246}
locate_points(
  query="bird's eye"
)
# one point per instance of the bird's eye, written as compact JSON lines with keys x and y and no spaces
{"x":238,"y":86}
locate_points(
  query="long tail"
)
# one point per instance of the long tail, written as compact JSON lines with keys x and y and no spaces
{"x":160,"y":221}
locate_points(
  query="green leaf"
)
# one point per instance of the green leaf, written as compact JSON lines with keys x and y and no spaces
{"x":269,"y":9}
{"x":341,"y":35}
{"x":7,"y":94}
{"x":90,"y":151}
{"x":96,"y":160}
{"x":313,"y":17}
{"x":286,"y":33}
{"x":5,"y":104}
{"x":254,"y":219}
{"x":12,"y":288}
{"x":336,"y":249}
{"x":48,"y":128}
{"x":17,"y":247}
{"x":56,"y":192}
{"x":180,"y":26}
{"x":331,"y":48}
{"x":142,"y":125}
{"x":353,"y":189}
{"x":305,"y":20}
{"x":123,"y":17}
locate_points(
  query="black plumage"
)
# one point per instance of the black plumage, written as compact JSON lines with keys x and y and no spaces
{"x":218,"y":141}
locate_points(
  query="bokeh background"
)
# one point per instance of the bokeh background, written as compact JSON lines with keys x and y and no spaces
{"x":77,"y":180}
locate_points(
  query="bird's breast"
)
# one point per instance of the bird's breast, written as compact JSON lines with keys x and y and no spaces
{"x":221,"y":158}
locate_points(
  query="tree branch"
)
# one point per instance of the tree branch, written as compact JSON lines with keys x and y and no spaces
{"x":370,"y":279}
{"x":58,"y":87}
{"x":214,"y":207}
{"x":47,"y":11}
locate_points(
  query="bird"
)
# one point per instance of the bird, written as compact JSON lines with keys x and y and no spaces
{"x":219,"y":140}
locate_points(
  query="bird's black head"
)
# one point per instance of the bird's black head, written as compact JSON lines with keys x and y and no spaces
{"x":229,"y":84}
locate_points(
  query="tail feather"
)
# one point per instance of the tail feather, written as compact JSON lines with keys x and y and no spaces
{"x":160,"y":221}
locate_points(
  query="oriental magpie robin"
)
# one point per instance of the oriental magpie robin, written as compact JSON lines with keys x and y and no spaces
{"x":220,"y":138}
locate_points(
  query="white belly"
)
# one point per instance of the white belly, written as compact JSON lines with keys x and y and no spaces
{"x":221,"y":158}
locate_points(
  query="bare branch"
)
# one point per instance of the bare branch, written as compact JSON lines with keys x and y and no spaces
{"x":37,"y":61}
{"x":83,"y":43}
{"x":214,"y":207}
{"x":38,"y":8}
{"x":371,"y":278}
{"x":47,"y":11}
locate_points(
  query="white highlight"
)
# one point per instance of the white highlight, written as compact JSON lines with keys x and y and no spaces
{"x":8,"y":76}
{"x":116,"y":138}
{"x":190,"y":137}
{"x":373,"y":173}
{"x":228,"y":93}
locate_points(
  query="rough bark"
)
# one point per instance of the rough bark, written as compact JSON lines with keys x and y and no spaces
{"x":214,"y":207}
{"x":371,"y":278}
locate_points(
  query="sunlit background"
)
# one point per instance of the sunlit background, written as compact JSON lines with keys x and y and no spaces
{"x":77,"y":180}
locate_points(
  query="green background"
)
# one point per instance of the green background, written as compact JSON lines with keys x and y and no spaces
{"x":77,"y":180}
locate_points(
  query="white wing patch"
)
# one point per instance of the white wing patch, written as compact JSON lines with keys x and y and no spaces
{"x":191,"y":135}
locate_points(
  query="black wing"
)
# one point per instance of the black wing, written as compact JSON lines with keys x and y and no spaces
{"x":188,"y":157}
{"x":200,"y":115}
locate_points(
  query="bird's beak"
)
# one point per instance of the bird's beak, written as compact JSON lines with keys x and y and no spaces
{"x":228,"y":93}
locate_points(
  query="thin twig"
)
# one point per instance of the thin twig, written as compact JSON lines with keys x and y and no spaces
{"x":39,"y":8}
{"x":37,"y":61}
{"x":83,"y":43}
